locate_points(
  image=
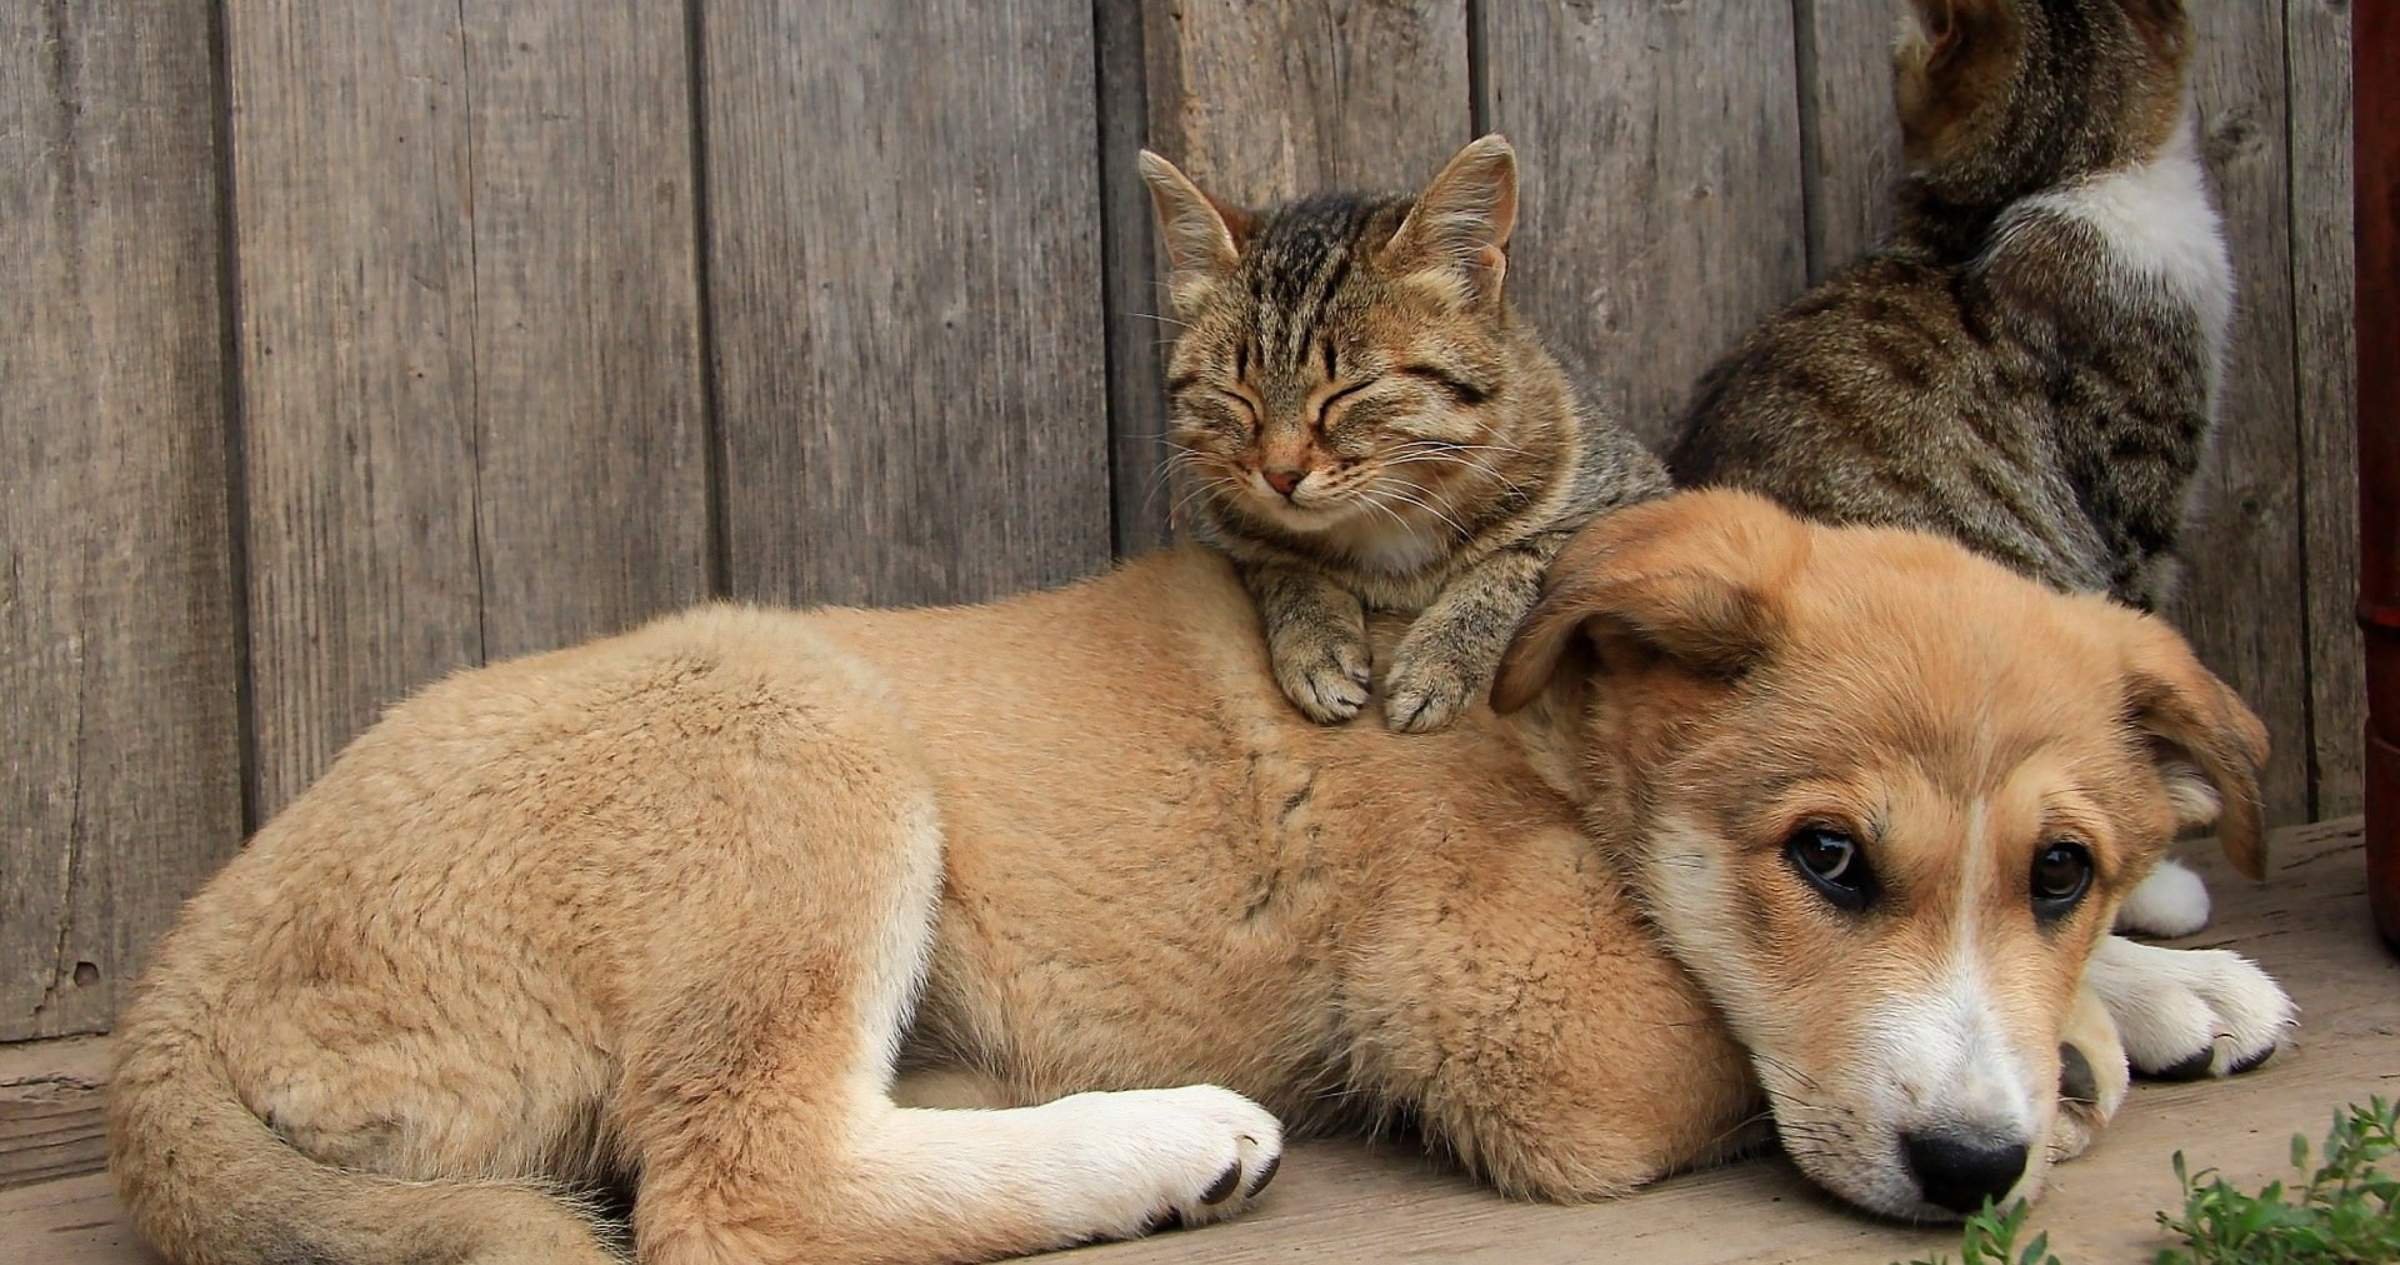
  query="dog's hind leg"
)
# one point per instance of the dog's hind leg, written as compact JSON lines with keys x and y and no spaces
{"x":756,"y":1100}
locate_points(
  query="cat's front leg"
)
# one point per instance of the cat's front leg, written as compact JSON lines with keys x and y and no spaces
{"x":1452,"y":651}
{"x":1316,"y":640}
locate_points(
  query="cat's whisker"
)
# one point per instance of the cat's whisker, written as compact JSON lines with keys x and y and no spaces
{"x":1163,"y":320}
{"x":1401,"y":493}
{"x":1206,"y":486}
{"x":1180,"y":461}
{"x":1423,"y":458}
{"x":1368,"y":500}
{"x":1434,"y":450}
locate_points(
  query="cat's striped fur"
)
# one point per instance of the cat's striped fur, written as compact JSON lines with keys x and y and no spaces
{"x":2031,"y":364}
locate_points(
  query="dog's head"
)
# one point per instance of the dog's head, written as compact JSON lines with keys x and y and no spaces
{"x":1881,"y":797}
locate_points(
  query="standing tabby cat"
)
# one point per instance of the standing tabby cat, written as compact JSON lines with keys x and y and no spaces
{"x":1362,"y":422}
{"x":2031,"y":364}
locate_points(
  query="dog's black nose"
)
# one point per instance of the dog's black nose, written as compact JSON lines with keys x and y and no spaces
{"x":1959,"y":1170}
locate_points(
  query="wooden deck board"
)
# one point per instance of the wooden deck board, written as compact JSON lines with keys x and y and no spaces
{"x":1342,"y":1201}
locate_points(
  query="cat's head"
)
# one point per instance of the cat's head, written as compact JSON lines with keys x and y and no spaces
{"x":1342,"y":358}
{"x":2001,"y":98}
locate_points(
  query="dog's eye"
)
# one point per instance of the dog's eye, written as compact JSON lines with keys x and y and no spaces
{"x":2061,"y":875}
{"x":1832,"y":863}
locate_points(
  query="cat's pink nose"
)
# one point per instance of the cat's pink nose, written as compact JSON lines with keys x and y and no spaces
{"x":1284,"y":481}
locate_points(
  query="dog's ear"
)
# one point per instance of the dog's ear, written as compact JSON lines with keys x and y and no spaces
{"x":1690,"y":579}
{"x":1456,"y":234}
{"x":1203,"y":236}
{"x":2210,"y":747}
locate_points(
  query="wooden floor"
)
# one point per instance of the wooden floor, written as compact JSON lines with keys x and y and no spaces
{"x":1344,"y":1202}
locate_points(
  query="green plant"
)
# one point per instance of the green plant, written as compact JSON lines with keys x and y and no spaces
{"x":1990,"y":1238}
{"x":2347,"y":1211}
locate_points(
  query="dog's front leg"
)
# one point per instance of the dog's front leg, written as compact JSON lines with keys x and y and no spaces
{"x":2093,"y":1076}
{"x":2188,"y":1013}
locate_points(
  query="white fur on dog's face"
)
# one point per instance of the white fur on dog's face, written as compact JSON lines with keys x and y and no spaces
{"x":1761,"y":685}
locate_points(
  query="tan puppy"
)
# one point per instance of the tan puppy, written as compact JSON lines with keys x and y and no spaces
{"x":675,"y":905}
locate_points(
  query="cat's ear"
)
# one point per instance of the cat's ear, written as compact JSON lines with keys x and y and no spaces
{"x":1965,"y":32}
{"x":1203,"y":236}
{"x":2163,"y":26}
{"x":1457,"y":233}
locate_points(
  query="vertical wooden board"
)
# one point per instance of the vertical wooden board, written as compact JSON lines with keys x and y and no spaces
{"x":590,"y":445}
{"x":350,"y":170}
{"x":1261,"y":102}
{"x":2326,"y":364}
{"x":119,"y":648}
{"x":1136,"y":336}
{"x":1849,"y":127}
{"x":2241,"y":598}
{"x":1662,"y":200}
{"x":904,"y":263}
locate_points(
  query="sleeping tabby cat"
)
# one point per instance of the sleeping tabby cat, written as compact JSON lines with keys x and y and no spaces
{"x":1360,"y":421}
{"x":2031,"y":364}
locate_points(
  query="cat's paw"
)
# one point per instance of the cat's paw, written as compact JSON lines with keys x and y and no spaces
{"x":1326,"y":675}
{"x":1425,"y":691}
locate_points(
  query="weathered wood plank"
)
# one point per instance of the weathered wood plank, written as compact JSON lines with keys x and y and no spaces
{"x":1136,"y":341}
{"x":1342,"y":1201}
{"x":1662,"y":191}
{"x":470,"y":345}
{"x":50,"y":1109}
{"x":119,"y":645}
{"x":1849,"y":131}
{"x":1260,"y":103}
{"x":2241,"y":598}
{"x":2317,"y":53}
{"x":591,"y":443}
{"x":905,"y":265}
{"x":351,"y":157}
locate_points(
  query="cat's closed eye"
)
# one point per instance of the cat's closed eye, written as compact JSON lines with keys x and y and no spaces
{"x":1466,"y":393}
{"x":1325,"y":409}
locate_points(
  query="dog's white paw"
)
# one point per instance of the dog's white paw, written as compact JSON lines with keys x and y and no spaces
{"x":2188,"y":1013}
{"x":2172,"y":901}
{"x":1184,"y":1156}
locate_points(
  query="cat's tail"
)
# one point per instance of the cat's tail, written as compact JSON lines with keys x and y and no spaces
{"x":209,"y":1183}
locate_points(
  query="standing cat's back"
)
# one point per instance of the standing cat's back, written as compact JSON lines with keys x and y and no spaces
{"x":2031,"y":364}
{"x":2156,"y":226}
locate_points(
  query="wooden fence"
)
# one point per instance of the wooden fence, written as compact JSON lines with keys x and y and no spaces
{"x":343,"y":344}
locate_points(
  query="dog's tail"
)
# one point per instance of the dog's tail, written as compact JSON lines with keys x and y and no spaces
{"x":210,"y":1184}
